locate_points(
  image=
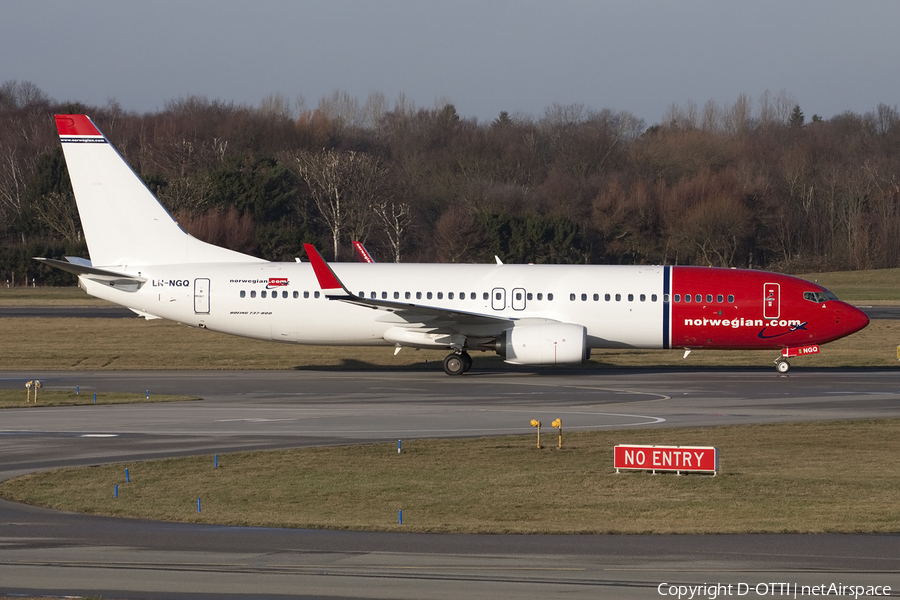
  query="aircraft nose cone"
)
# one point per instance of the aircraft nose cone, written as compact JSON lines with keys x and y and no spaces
{"x":853,"y":319}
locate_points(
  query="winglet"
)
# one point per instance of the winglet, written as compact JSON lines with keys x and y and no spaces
{"x":328,"y":281}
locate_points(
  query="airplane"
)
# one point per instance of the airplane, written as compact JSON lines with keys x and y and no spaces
{"x":530,"y":314}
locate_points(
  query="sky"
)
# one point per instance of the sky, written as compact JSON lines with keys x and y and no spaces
{"x":484,"y":56}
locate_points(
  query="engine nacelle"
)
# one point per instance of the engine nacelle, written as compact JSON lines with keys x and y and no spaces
{"x":546,"y":344}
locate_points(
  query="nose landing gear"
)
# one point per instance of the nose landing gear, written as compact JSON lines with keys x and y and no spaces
{"x":782,"y":366}
{"x":457,"y":363}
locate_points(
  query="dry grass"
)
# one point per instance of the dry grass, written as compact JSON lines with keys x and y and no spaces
{"x":19,"y":399}
{"x":814,"y":477}
{"x":83,"y":344}
{"x":48,"y":296}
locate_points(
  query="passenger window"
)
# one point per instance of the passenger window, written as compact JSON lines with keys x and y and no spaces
{"x":440,"y":295}
{"x":262,"y":294}
{"x":428,"y":295}
{"x":450,"y":296}
{"x":730,"y":298}
{"x":418,"y":295}
{"x":644,"y":297}
{"x":687,"y":297}
{"x":243,"y":294}
{"x":253,"y":293}
{"x":584,"y":297}
{"x":596,"y":297}
{"x":407,"y":295}
{"x":606,"y":297}
{"x":518,"y":295}
{"x":373,"y":295}
{"x":315,"y":294}
{"x":306,"y":295}
{"x":486,"y":296}
{"x":708,"y":299}
{"x":528,"y":296}
{"x":572,"y":297}
{"x":473,"y":296}
{"x":384,"y":295}
{"x":631,"y":297}
{"x":296,"y":294}
{"x":699,"y":297}
{"x":550,"y":297}
{"x":540,"y":296}
{"x":720,"y":298}
{"x":618,"y":297}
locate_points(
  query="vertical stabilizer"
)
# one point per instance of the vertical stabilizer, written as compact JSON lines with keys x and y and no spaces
{"x":123,"y":222}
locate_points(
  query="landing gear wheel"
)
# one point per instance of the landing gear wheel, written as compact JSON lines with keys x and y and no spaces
{"x":782,"y":366}
{"x":454,"y":364}
{"x":467,"y":361}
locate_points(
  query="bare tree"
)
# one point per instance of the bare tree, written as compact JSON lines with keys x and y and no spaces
{"x":396,"y":218}
{"x":344,"y":187}
{"x":457,"y":235}
{"x":57,"y":211}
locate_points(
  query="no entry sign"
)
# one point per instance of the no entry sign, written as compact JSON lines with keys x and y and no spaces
{"x":693,"y":459}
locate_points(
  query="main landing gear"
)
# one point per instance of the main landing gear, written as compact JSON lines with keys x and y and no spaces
{"x":457,"y":363}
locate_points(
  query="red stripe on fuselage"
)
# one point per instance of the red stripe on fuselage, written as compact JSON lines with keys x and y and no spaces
{"x":746,"y":321}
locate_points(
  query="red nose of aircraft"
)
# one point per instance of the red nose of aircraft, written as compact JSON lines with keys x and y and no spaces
{"x":850,"y":319}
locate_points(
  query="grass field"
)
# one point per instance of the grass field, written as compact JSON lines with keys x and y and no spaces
{"x":20,"y":398}
{"x":776,"y":478}
{"x":48,"y":296}
{"x":878,"y":286}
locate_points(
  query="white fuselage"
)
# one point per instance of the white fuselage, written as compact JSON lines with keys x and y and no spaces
{"x":283,"y":301}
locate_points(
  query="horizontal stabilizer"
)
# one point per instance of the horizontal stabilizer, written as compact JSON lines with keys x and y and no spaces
{"x":83,"y":268}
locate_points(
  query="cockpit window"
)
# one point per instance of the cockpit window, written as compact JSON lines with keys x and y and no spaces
{"x":819,"y":297}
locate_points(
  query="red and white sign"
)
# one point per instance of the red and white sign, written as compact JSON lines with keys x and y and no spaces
{"x":695,"y":459}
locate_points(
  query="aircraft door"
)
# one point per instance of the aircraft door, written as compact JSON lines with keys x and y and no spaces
{"x":771,"y":300}
{"x":498,"y":298}
{"x":518,"y":299}
{"x":201,"y":296}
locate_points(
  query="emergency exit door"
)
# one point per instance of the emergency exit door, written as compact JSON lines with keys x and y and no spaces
{"x":771,"y":300}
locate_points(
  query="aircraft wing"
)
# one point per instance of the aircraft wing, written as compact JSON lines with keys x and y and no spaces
{"x":410,"y":312}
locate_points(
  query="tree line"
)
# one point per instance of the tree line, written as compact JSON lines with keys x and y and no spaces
{"x":749,"y":184}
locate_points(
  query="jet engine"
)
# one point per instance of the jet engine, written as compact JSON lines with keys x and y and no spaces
{"x":544,"y":344}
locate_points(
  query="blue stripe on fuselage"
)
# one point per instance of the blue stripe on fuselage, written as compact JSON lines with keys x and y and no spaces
{"x":667,"y":274}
